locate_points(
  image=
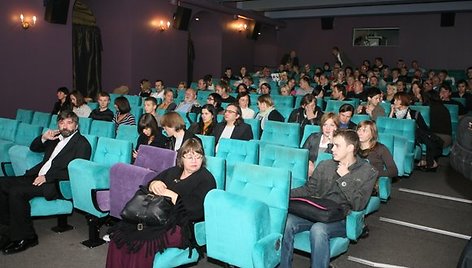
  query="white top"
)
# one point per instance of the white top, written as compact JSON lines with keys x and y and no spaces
{"x":178,"y":143}
{"x":248,"y":113}
{"x":158,"y":95}
{"x":82,"y":111}
{"x":226,"y":134}
{"x":59,"y":146}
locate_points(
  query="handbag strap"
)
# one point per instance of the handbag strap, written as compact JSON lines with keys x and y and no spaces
{"x":309,"y":202}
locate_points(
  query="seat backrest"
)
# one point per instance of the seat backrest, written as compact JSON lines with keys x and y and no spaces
{"x":155,"y":158}
{"x":266,"y":184}
{"x":53,"y":123}
{"x":102,"y":129}
{"x":255,"y":126}
{"x":322,"y":157}
{"x":208,"y":144}
{"x":93,"y":105}
{"x":334,"y":105}
{"x":25,"y":116}
{"x":282,"y":101}
{"x":133,"y":100}
{"x":285,"y":112}
{"x":26,"y":133}
{"x":41,"y":119}
{"x":84,"y":125}
{"x":280,"y":133}
{"x":217,"y":167}
{"x":293,"y":159}
{"x":235,"y":151}
{"x":93,"y":140}
{"x":387,"y":140}
{"x":387,"y":107}
{"x":110,"y":151}
{"x":357,"y":118}
{"x":137,"y":111}
{"x":461,"y":100}
{"x":8,"y":128}
{"x":399,"y":127}
{"x":128,"y":133}
{"x":308,"y":130}
{"x":424,"y":110}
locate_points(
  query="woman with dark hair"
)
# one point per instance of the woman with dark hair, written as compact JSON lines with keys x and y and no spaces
{"x":416,"y":93}
{"x":79,"y":107}
{"x":264,"y":88}
{"x":215,"y":100}
{"x":401,"y":110}
{"x":186,"y":185}
{"x":149,"y":133}
{"x":63,"y":101}
{"x":244,"y":101}
{"x":308,"y":113}
{"x":267,"y":110}
{"x":174,"y":126}
{"x":241,"y":88}
{"x":123,"y":115}
{"x":233,"y":126}
{"x":207,"y":121}
{"x":378,"y":154}
{"x":372,"y":108}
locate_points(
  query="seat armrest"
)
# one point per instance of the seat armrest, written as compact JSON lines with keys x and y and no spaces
{"x":64,"y":189}
{"x":267,"y":250}
{"x":6,"y":167}
{"x":199,"y":230}
{"x":101,"y":199}
{"x":354,"y":224}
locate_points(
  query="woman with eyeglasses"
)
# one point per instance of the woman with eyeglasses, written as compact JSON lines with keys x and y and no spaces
{"x":186,"y":185}
{"x":215,"y":100}
{"x":233,"y":126}
{"x":174,"y":126}
{"x":207,"y":121}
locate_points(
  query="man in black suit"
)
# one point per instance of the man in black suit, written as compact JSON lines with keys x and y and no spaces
{"x":233,"y":127}
{"x":60,"y":147}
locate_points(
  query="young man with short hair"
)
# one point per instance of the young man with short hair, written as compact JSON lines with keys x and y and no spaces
{"x":102,"y":112}
{"x":347,"y":180}
{"x":150,"y":106}
{"x":159,"y":86}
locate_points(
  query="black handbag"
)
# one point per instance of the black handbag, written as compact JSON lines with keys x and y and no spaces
{"x":316,"y":209}
{"x":148,"y":209}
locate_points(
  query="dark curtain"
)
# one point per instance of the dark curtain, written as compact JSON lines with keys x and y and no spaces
{"x":190,"y":59}
{"x":87,"y":59}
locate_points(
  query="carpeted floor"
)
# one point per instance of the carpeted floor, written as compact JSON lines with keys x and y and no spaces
{"x":387,"y":243}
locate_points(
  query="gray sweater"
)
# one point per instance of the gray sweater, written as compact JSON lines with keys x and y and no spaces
{"x":351,"y":191}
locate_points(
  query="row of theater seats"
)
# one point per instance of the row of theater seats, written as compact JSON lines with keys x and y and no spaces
{"x":93,"y":178}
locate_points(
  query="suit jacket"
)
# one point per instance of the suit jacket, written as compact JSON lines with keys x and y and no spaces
{"x":170,"y":144}
{"x":312,"y":143}
{"x":77,"y":147}
{"x":242,"y":131}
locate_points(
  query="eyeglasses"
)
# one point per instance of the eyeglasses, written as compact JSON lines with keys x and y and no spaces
{"x":209,"y":98}
{"x":192,"y":156}
{"x":230,"y":111}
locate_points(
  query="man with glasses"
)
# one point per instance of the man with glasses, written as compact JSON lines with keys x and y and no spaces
{"x":233,"y":126}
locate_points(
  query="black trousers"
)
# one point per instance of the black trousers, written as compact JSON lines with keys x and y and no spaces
{"x":15,"y":210}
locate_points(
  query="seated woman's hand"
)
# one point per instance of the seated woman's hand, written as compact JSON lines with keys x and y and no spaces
{"x":173,"y":195}
{"x":157,"y":187}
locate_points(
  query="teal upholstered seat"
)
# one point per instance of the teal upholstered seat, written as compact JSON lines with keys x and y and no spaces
{"x":280,"y":133}
{"x":8,"y":128}
{"x":308,"y":130}
{"x":235,"y":151}
{"x":25,"y":116}
{"x":85,"y":124}
{"x":254,"y":204}
{"x":102,"y":129}
{"x":41,"y":119}
{"x":128,"y":133}
{"x":283,"y":101}
{"x":334,"y":105}
{"x":293,"y":159}
{"x":357,"y":118}
{"x":208,"y":144}
{"x":255,"y":127}
{"x":22,"y":159}
{"x":53,"y":123}
{"x":424,"y":110}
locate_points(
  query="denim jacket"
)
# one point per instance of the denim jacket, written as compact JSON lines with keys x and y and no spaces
{"x":355,"y":187}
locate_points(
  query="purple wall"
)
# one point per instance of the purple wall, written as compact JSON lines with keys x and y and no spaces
{"x":421,"y":38}
{"x":34,"y":62}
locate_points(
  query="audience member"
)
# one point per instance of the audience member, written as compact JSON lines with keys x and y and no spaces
{"x":339,"y":93}
{"x":149,"y":133}
{"x":416,"y":93}
{"x":190,"y":100}
{"x":440,"y":119}
{"x":264,"y":88}
{"x":267,"y":110}
{"x":242,"y":88}
{"x":186,"y":185}
{"x":174,"y":126}
{"x":358,"y":91}
{"x":181,"y":86}
{"x":102,"y":112}
{"x":305,"y":87}
{"x":346,"y":111}
{"x":462,"y":92}
{"x":347,"y":180}
{"x":145,"y":88}
{"x":150,"y":106}
{"x":321,"y":141}
{"x":445,"y":93}
{"x":372,"y":108}
{"x":159,"y":86}
{"x":215,"y":100}
{"x":228,"y":75}
{"x":223,"y":89}
{"x":242,"y":73}
{"x":168,"y":102}
{"x":123,"y":115}
{"x":207,"y":121}
{"x":63,"y":101}
{"x":60,"y":147}
{"x":391,"y":91}
{"x":244,"y":101}
{"x":201,"y":85}
{"x":79,"y":107}
{"x":233,"y":126}
{"x":308,"y":113}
